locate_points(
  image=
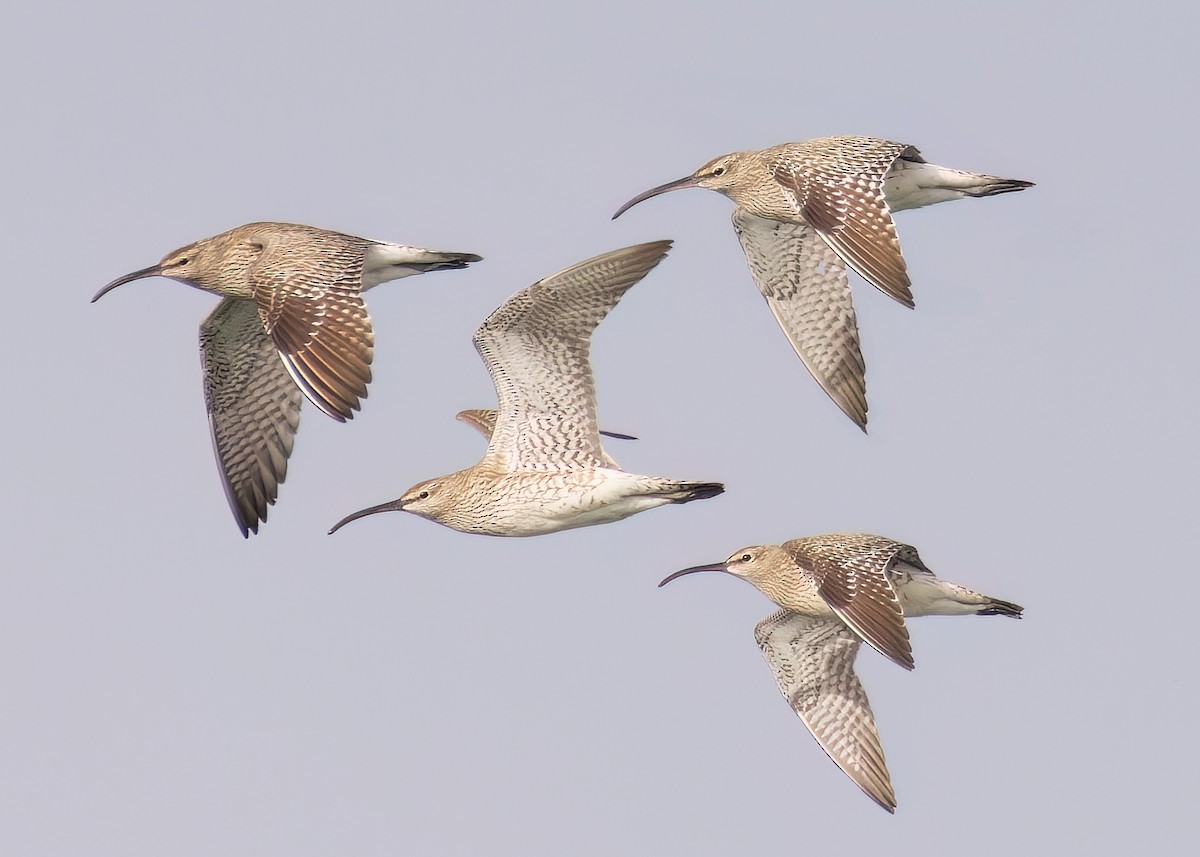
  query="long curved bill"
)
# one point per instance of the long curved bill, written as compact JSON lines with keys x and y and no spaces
{"x":716,"y":566}
{"x":393,"y":506}
{"x":678,"y":184}
{"x":152,"y":271}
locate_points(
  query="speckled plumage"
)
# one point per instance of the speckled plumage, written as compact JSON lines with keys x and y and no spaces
{"x":253,"y":408}
{"x":805,"y":284}
{"x":483,"y":420}
{"x":292,"y":321}
{"x":836,"y":592}
{"x":797,"y":201}
{"x":545,"y":468}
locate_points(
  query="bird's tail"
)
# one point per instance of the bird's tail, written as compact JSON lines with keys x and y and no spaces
{"x":917,"y":184}
{"x":923,"y":594}
{"x":436,"y":260}
{"x":686,"y":492}
{"x":385,"y":262}
{"x":980,"y":185}
{"x":996,"y":607}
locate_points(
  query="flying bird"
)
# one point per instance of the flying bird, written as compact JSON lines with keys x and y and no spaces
{"x":292,"y":322}
{"x":545,"y":469}
{"x":838,"y":591}
{"x":804,"y":212}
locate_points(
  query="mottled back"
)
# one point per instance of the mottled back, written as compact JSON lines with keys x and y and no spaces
{"x":837,"y":183}
{"x":307,"y":283}
{"x":850,"y":571}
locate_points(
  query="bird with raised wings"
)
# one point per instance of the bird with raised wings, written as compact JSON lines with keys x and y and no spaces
{"x":838,"y":591}
{"x":292,"y":322}
{"x":804,"y":212}
{"x":545,"y":468}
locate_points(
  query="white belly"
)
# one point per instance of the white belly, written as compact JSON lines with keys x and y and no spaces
{"x":910,"y":185}
{"x":568,"y":501}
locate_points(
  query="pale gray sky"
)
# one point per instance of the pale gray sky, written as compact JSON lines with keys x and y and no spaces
{"x":399,"y":688}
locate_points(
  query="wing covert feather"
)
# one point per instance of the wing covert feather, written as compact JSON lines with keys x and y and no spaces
{"x":839,"y":190}
{"x":850,"y":570}
{"x":319,"y":322}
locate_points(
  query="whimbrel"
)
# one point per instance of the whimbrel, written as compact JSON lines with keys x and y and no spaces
{"x":804,"y":211}
{"x":292,"y":321}
{"x":837,"y":591}
{"x":545,"y":469}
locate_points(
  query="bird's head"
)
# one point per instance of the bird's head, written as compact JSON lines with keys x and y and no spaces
{"x":216,"y":264}
{"x":426,"y":498}
{"x":766,"y":566}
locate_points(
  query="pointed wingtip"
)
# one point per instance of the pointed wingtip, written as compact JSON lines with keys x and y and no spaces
{"x":617,"y":435}
{"x":858,"y":417}
{"x":855,"y":415}
{"x":245,"y":525}
{"x":903,"y":658}
{"x":898,"y":290}
{"x":335,"y":404}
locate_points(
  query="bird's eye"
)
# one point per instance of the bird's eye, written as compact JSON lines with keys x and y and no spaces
{"x":746,"y":557}
{"x":182,"y":261}
{"x":423,"y":495}
{"x":719,"y":171}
